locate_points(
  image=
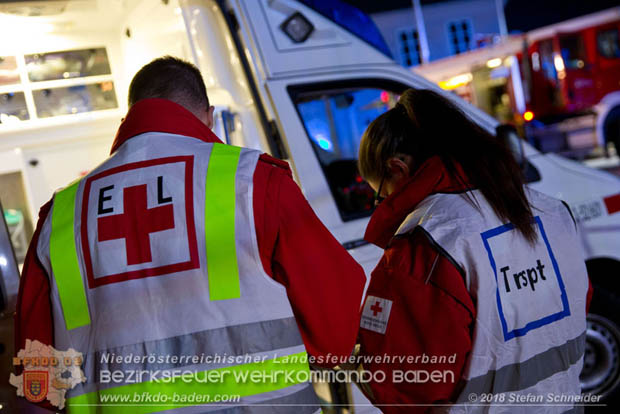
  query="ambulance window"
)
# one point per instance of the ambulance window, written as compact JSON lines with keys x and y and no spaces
{"x":8,"y":70}
{"x":608,"y":43}
{"x":335,"y":120}
{"x":13,"y":107}
{"x":74,"y":99}
{"x":67,"y":64}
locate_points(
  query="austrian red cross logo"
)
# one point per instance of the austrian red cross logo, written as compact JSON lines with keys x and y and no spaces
{"x":376,"y":314}
{"x":138,"y":221}
{"x":376,"y":309}
{"x":136,"y":224}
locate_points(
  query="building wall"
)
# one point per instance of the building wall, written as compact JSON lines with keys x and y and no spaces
{"x":481,"y":14}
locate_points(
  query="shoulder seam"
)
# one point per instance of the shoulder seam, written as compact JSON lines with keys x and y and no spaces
{"x":441,"y":251}
{"x":436,"y":246}
{"x":268,"y":159}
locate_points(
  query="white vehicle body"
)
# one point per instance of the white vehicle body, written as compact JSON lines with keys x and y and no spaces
{"x":136,"y":31}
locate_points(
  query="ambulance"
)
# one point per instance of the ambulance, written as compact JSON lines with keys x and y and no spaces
{"x":300,"y":80}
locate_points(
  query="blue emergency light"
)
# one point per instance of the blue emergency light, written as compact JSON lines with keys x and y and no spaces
{"x":352,"y":19}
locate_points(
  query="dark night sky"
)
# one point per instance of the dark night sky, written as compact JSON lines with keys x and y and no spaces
{"x":526,"y":15}
{"x":375,"y":6}
{"x":521,"y":15}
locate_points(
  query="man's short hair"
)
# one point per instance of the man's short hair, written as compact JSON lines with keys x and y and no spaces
{"x":170,"y":78}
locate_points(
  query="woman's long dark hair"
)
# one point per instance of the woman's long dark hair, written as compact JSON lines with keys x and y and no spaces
{"x":424,"y":124}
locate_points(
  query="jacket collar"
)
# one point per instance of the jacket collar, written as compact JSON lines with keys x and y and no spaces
{"x":161,"y":115}
{"x":432,"y":177}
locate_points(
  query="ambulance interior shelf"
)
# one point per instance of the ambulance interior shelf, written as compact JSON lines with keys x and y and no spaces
{"x":60,"y":83}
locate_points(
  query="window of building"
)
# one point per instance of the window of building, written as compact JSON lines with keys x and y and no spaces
{"x":409,"y":47}
{"x":608,"y":43}
{"x":50,"y":84}
{"x":460,"y":35}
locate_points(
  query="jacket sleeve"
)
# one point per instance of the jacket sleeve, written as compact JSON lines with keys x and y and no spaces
{"x":323,"y":282}
{"x":33,"y":313}
{"x":431,"y":315}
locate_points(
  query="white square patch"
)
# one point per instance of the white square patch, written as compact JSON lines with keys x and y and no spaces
{"x":530,"y":289}
{"x":376,"y":314}
{"x":132,"y":215}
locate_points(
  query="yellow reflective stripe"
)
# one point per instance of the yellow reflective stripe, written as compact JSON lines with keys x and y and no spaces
{"x":64,"y":260}
{"x":220,"y":223}
{"x":239,"y":380}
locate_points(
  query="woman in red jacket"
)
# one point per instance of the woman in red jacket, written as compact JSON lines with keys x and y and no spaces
{"x":482,"y":282}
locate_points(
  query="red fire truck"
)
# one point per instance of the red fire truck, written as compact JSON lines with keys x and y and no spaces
{"x":567,"y":88}
{"x":573,"y":68}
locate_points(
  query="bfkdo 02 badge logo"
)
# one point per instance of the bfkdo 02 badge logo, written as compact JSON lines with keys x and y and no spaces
{"x":47,"y":373}
{"x":36,"y":385}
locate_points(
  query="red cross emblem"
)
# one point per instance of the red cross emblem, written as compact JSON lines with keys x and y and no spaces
{"x":376,"y":308}
{"x":136,"y":224}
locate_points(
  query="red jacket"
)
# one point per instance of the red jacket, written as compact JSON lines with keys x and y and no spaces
{"x":323,"y":282}
{"x":431,"y":313}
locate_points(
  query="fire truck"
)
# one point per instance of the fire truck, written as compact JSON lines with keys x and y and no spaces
{"x":562,"y":81}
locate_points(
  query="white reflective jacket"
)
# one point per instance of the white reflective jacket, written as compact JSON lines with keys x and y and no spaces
{"x":153,"y":258}
{"x":529,"y":333}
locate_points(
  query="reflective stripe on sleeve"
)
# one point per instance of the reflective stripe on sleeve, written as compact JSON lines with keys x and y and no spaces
{"x":222,"y":268}
{"x":64,"y":260}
